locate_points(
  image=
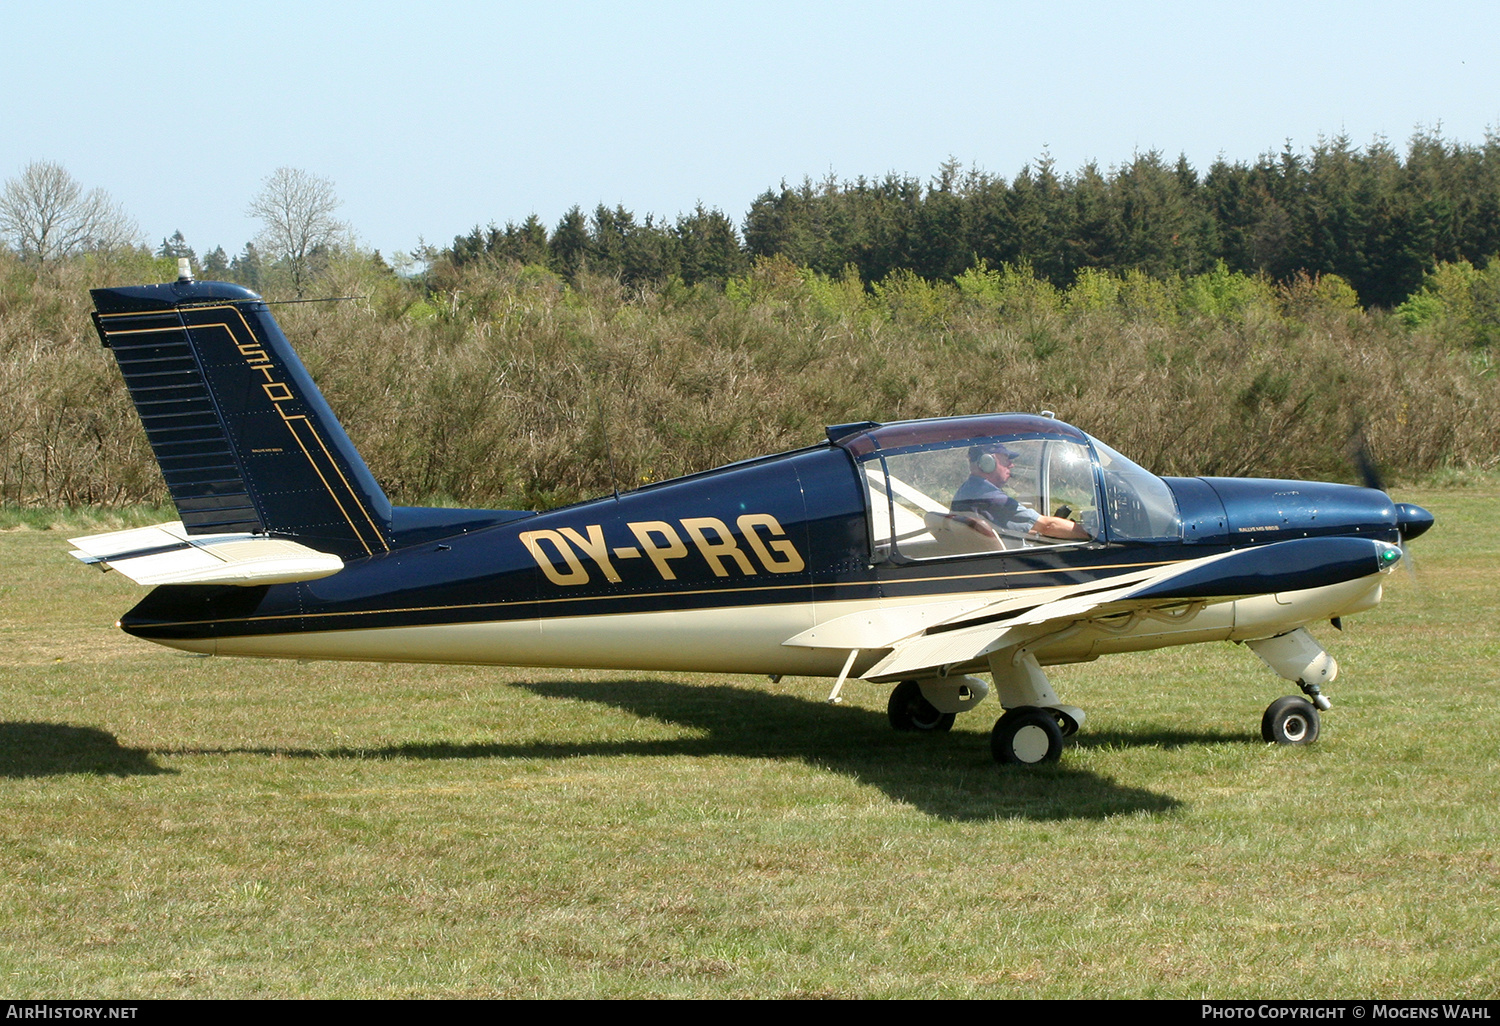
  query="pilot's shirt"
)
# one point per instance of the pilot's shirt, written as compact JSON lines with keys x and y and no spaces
{"x":976,"y":495}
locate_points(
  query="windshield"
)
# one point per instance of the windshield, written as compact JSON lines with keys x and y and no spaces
{"x":1138,"y":504}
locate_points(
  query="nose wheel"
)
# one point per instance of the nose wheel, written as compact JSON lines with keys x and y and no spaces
{"x":1292,"y":720}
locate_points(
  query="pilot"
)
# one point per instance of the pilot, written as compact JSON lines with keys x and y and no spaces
{"x":982,"y":493}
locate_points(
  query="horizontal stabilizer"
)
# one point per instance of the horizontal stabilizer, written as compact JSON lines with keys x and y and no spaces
{"x":167,"y":554}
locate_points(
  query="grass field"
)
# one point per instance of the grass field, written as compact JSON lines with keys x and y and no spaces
{"x":183,"y":827}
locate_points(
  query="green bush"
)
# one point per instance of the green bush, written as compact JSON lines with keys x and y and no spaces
{"x":1458,"y":303}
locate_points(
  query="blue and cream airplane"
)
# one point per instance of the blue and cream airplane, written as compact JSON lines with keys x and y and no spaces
{"x":922,"y":554}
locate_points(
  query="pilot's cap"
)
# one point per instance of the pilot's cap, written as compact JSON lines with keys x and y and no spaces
{"x":979,"y":452}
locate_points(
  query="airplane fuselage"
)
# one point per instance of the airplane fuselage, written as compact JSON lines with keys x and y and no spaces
{"x":714,"y":572}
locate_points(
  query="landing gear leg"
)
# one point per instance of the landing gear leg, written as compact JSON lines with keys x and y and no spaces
{"x":1315,"y":695}
{"x":1294,"y":720}
{"x":1033,"y":729}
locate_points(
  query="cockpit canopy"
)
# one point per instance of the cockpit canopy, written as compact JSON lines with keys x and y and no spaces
{"x":970,"y":485}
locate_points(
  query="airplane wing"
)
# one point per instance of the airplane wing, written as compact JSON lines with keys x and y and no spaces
{"x":925,"y":639}
{"x":167,"y":554}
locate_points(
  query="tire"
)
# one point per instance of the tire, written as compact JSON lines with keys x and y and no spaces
{"x":1026,"y":736}
{"x":1292,"y":720}
{"x":909,"y":710}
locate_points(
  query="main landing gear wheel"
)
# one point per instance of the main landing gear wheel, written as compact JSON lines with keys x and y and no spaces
{"x":910,"y":710}
{"x":1292,"y":720}
{"x":1027,"y":735}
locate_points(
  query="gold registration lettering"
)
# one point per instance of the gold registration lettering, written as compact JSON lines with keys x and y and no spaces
{"x":715,"y":552}
{"x":673,"y":549}
{"x":593,"y":546}
{"x":787,"y":559}
{"x":575,"y":574}
{"x":557,"y":552}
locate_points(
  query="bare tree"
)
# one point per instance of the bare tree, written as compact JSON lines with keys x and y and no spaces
{"x":46,"y":215}
{"x":296,"y":209}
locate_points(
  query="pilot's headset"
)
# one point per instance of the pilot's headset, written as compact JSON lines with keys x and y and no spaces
{"x":985,"y":460}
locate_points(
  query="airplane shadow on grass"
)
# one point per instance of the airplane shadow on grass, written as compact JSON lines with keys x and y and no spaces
{"x":58,"y":749}
{"x":950,"y":776}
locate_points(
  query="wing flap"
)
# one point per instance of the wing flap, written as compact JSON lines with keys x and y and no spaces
{"x":928,"y":655}
{"x":166,"y":554}
{"x":1019,"y":619}
{"x":881,"y":628}
{"x":936,"y":652}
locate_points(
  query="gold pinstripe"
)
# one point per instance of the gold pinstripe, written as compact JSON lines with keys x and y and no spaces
{"x":633,"y":595}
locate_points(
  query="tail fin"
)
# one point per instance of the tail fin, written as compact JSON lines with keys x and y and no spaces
{"x":245,"y":440}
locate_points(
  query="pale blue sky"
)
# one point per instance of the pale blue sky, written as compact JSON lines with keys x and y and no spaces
{"x":433,"y":117}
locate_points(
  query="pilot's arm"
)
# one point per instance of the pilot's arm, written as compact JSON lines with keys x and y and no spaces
{"x":1059,"y":527}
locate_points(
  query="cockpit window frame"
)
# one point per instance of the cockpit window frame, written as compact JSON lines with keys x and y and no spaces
{"x":1040,"y":433}
{"x":867,"y":442}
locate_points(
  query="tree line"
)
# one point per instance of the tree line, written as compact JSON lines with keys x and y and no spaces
{"x":599,"y":354}
{"x":1378,"y":219}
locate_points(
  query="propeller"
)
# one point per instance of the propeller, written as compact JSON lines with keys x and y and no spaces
{"x":1411,"y":520}
{"x":1364,"y":460}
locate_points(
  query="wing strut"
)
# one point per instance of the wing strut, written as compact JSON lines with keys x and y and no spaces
{"x":833,"y":696}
